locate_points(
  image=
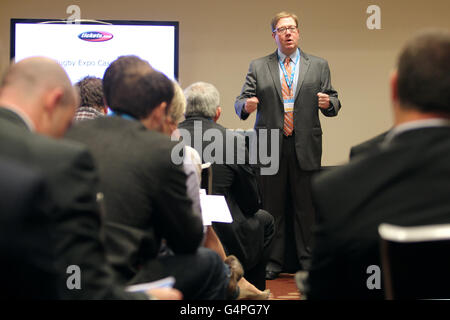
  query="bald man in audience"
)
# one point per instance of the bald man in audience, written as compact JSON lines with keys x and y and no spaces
{"x":38,"y":103}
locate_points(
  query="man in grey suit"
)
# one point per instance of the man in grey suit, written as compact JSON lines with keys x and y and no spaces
{"x":286,"y":89}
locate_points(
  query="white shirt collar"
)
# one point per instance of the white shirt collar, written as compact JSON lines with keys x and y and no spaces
{"x":293,"y":56}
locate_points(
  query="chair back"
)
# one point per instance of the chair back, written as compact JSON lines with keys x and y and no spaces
{"x":416,"y":261}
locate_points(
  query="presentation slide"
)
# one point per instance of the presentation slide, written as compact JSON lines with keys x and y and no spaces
{"x":88,"y":49}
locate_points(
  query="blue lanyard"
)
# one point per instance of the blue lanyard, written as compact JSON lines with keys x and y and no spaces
{"x":291,"y":80}
{"x":122,"y":115}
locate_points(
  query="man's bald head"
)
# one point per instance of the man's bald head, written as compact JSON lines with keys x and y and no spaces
{"x":40,"y":88}
{"x":33,"y":75}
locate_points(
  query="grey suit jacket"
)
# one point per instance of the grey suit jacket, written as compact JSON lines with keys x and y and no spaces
{"x":263,"y":82}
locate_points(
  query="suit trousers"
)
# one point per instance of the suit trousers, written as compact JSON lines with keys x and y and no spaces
{"x":257,"y":274}
{"x":287,"y":196}
{"x":199,"y":276}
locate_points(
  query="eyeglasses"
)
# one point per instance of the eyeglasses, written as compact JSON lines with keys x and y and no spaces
{"x":282,"y":30}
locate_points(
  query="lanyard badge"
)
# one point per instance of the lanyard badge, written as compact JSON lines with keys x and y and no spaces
{"x":289,"y":102}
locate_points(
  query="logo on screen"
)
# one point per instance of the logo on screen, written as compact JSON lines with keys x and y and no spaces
{"x":95,"y":36}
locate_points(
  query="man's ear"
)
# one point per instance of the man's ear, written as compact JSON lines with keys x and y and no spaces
{"x":155,"y":120}
{"x":218,"y":113}
{"x":161,"y":111}
{"x":105,"y":106}
{"x":394,"y":86}
{"x":49,"y":102}
{"x":53,"y":99}
{"x":395,"y":102}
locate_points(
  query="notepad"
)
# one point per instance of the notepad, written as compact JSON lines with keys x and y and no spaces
{"x":142,"y":287}
{"x":214,"y":209}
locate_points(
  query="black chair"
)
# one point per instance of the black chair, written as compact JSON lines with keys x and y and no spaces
{"x":416,"y":261}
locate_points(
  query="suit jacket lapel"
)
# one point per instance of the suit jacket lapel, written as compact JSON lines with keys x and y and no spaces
{"x":304,"y":66}
{"x":275,"y":73}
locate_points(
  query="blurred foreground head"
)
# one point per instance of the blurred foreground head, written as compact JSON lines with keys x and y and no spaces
{"x":421,"y":82}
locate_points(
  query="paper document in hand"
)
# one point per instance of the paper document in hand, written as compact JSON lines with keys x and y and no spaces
{"x":214,"y":209}
{"x":163,"y":283}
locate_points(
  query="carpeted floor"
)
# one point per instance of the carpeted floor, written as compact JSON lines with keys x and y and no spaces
{"x":283,"y":287}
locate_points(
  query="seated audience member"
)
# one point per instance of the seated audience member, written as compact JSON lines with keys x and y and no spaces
{"x":405,"y":182}
{"x":92,"y":104}
{"x":191,"y":160}
{"x":63,"y":226}
{"x":192,"y":167}
{"x":249,"y":236}
{"x":144,"y":191}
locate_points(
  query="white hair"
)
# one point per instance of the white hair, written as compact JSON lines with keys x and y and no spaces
{"x":202,"y":99}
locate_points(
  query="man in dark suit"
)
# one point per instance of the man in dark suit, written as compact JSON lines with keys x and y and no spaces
{"x":145,"y":191}
{"x":405,"y":182}
{"x":286,"y":89}
{"x":249,"y":236}
{"x":37,"y":104}
{"x":27,"y":261}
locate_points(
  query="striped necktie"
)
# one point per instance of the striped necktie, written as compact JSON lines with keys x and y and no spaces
{"x":288,"y":94}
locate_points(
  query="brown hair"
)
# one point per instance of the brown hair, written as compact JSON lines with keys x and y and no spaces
{"x":91,"y":92}
{"x":424,"y":72}
{"x":281,"y":15}
{"x":133,"y":87}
